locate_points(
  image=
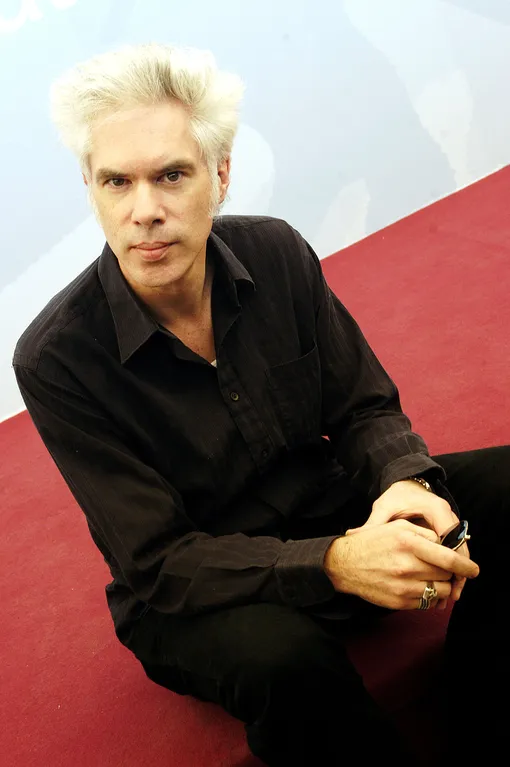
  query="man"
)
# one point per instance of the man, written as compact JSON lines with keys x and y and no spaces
{"x":183,"y":384}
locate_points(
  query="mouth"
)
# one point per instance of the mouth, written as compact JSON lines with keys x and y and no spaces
{"x":152,"y":251}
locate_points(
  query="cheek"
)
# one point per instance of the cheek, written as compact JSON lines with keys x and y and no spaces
{"x":195,"y":212}
{"x":112,"y":214}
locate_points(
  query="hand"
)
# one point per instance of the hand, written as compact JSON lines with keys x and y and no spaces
{"x":410,"y":500}
{"x":390,"y":565}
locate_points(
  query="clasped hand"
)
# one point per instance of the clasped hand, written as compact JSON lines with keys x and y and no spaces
{"x":389,"y":560}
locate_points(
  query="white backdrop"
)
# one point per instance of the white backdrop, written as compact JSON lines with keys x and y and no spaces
{"x":357,"y":112}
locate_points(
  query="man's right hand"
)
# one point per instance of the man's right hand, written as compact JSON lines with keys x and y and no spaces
{"x":390,"y":565}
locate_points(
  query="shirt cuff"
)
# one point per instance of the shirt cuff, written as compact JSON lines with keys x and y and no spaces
{"x":300,"y":574}
{"x":413,"y":465}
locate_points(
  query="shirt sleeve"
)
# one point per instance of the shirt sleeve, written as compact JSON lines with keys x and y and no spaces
{"x":361,"y":410}
{"x":142,"y":528}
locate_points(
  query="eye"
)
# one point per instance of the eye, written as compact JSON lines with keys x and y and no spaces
{"x":173,"y":176}
{"x":113,"y":182}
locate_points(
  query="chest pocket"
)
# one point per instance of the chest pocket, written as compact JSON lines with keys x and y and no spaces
{"x":295,"y":388}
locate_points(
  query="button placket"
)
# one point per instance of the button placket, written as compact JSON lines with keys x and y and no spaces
{"x":246,"y":418}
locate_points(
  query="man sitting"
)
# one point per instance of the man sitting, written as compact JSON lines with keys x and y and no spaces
{"x":185,"y":384}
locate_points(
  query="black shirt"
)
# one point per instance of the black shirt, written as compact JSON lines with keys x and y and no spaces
{"x":189,"y":474}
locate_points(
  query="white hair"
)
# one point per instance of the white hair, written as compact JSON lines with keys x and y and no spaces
{"x":149,"y":74}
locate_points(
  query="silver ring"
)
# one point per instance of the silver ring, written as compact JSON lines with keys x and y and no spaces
{"x":429,"y":594}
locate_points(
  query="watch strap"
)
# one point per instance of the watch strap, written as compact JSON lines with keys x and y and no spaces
{"x":423,"y":482}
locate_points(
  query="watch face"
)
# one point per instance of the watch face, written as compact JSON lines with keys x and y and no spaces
{"x":455,"y":536}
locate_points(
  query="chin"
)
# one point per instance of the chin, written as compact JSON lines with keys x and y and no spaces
{"x":160,"y":275}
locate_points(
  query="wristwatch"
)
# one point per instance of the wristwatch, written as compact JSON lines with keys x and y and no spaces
{"x":423,"y":482}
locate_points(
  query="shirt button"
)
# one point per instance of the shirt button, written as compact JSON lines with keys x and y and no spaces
{"x":264,"y":454}
{"x":234,"y":396}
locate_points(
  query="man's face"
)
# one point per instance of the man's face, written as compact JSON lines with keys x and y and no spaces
{"x":151,"y":187}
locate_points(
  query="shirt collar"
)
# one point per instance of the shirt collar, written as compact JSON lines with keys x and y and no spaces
{"x":134,"y":324}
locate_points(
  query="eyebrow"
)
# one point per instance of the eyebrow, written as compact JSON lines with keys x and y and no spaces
{"x":103,"y":174}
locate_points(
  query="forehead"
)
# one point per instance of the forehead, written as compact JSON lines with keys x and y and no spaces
{"x":139,"y":139}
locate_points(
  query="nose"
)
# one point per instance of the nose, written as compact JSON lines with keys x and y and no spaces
{"x":147,"y":206}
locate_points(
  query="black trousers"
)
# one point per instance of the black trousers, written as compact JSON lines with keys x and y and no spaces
{"x":285,"y":672}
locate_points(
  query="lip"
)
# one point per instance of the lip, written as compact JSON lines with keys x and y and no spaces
{"x":152,"y":251}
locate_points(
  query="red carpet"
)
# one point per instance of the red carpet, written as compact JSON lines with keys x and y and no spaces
{"x":431,"y":295}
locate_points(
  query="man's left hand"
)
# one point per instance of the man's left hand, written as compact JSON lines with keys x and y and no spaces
{"x":409,"y":500}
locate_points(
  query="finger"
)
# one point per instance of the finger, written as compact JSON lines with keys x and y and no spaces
{"x":436,"y":519}
{"x":415,"y":524}
{"x":441,"y":556}
{"x":424,"y":532}
{"x":411,"y":516}
{"x":457,"y":586}
{"x":443,"y":594}
{"x":444,"y":590}
{"x":430,"y":573}
{"x":442,"y":604}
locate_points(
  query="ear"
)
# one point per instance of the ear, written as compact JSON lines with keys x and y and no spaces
{"x":85,"y":181}
{"x":224,"y":176}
